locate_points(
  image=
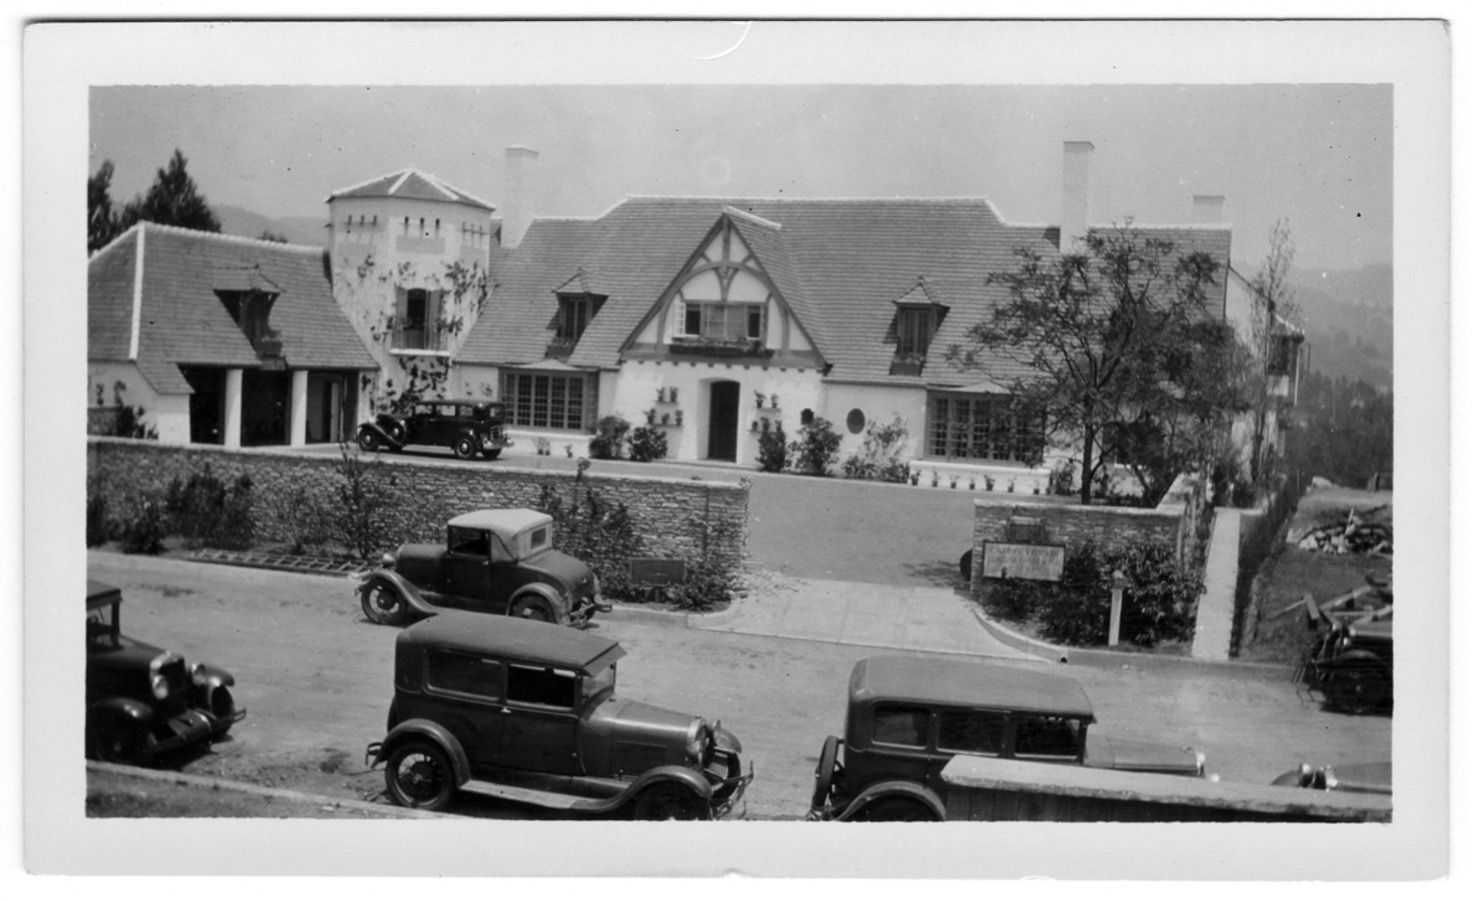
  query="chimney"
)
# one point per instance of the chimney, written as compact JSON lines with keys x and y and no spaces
{"x":1207,"y":208}
{"x":516,"y":209}
{"x":1075,"y":224}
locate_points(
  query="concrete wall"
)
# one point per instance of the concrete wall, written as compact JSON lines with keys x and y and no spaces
{"x":667,"y":513}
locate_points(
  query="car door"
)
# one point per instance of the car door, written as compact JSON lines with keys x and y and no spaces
{"x":465,"y":571}
{"x":899,"y":746}
{"x":962,"y":730}
{"x":540,"y":728}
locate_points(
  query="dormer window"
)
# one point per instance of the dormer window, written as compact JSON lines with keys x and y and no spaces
{"x":575,"y":309}
{"x":248,"y":296}
{"x":917,"y":318}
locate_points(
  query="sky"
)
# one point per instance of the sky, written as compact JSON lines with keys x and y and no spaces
{"x":1318,"y":155}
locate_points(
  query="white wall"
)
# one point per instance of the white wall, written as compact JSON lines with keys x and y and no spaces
{"x":878,"y":404}
{"x":122,"y":384}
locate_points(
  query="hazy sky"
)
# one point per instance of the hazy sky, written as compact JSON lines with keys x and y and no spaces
{"x":1319,"y":155}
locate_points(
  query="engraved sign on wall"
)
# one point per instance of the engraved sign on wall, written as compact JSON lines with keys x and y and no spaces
{"x":1000,"y":559}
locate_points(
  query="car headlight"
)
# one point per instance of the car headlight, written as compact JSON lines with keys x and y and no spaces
{"x":387,"y":561}
{"x":199,"y":674}
{"x":1200,"y":763}
{"x":695,"y":739}
{"x":160,"y":686}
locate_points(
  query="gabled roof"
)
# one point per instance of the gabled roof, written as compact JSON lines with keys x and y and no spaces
{"x":411,"y":184}
{"x":160,"y":282}
{"x":839,"y":264}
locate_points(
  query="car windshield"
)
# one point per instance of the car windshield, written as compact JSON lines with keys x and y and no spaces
{"x":595,"y":684}
{"x":99,"y":628}
{"x":534,"y":540}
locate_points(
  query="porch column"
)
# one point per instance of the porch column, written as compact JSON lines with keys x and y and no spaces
{"x":234,"y":379}
{"x":298,"y":436}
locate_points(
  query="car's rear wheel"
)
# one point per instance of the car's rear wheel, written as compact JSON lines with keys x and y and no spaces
{"x":367,"y":440}
{"x":532,"y":608}
{"x":671,"y":802}
{"x":420,"y":775}
{"x":118,"y":739}
{"x":1357,"y":688}
{"x":465,"y":447}
{"x":383,"y":604}
{"x":896,"y":810}
{"x":824,"y":775}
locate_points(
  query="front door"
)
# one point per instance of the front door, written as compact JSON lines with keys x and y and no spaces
{"x":725,"y":403}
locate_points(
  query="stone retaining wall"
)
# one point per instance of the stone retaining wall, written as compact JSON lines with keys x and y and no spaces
{"x":674,"y":518}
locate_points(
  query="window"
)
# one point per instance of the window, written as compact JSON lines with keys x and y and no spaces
{"x":723,"y":321}
{"x":971,"y":731}
{"x":900,"y":724}
{"x":913,"y":331}
{"x":469,"y":541}
{"x":1280,"y":356}
{"x":1048,"y":737}
{"x":547,"y":400}
{"x":463,"y":674}
{"x":574,"y":312}
{"x":543,"y":686}
{"x":417,"y":327}
{"x":855,"y":421}
{"x":538,"y":539}
{"x":597,"y":683}
{"x":982,"y":427}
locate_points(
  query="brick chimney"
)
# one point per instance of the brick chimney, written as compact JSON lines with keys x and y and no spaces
{"x":1207,"y":208}
{"x":1075,"y":223}
{"x":516,"y":208}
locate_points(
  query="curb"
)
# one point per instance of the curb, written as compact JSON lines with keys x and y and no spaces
{"x":1122,"y":659}
{"x":387,"y":811}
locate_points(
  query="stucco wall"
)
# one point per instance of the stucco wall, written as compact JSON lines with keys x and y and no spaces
{"x":668,"y":514}
{"x":878,"y":404}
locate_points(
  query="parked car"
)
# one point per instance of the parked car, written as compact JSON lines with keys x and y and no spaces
{"x":908,"y":716}
{"x":1351,"y":658}
{"x":529,"y":713}
{"x":143,"y":701}
{"x":492,"y":561}
{"x":468,"y":427}
{"x":1364,"y":778}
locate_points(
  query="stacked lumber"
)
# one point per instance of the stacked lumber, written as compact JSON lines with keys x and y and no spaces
{"x":1355,"y":534}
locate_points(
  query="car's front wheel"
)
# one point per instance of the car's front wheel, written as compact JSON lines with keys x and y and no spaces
{"x":533,"y":608}
{"x":118,"y":739}
{"x":671,"y":802}
{"x":383,"y":604}
{"x":465,"y":447}
{"x":826,"y":773}
{"x":420,"y":775}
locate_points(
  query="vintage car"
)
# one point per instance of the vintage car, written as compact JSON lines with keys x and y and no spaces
{"x":1351,"y":658}
{"x":468,"y":427}
{"x":143,"y":701}
{"x":492,"y":561}
{"x":1363,"y":778}
{"x":908,"y":716}
{"x":528,"y":713}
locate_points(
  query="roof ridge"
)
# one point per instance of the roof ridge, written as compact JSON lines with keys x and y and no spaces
{"x":222,"y":236}
{"x":399,"y":176}
{"x":115,"y":240}
{"x":729,"y":199}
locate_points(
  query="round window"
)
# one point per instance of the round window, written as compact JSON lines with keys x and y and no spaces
{"x":855,"y":421}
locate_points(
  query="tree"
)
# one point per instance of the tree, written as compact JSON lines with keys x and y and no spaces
{"x":268,"y":235}
{"x":172,"y":199}
{"x":1114,"y":348}
{"x":102,"y":222}
{"x":1274,"y":303}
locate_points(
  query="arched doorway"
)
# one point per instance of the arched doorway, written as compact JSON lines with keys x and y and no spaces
{"x":725,"y":411}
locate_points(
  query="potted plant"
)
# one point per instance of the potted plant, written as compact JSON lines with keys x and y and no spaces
{"x":760,"y":399}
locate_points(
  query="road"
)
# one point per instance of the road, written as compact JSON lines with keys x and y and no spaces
{"x":316,"y":679}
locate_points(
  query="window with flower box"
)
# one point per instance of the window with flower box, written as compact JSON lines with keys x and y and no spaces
{"x":982,"y":427}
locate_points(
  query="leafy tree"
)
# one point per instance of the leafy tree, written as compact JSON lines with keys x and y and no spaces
{"x":102,"y":221}
{"x":172,"y":199}
{"x":1114,"y":348}
{"x":1345,"y":430}
{"x":268,"y":235}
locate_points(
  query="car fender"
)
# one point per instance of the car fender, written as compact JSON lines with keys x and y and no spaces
{"x":894,"y":788}
{"x":133,"y":709}
{"x":379,"y":433}
{"x":1355,"y":658}
{"x":422,"y":728}
{"x":544,"y":591}
{"x":214,"y":676}
{"x":684,"y":776}
{"x":404,"y":587}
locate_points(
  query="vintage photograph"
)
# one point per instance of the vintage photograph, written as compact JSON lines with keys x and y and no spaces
{"x":622,"y":422}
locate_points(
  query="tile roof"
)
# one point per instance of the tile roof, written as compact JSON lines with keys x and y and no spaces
{"x":181,"y":319}
{"x":840,"y":264}
{"x":411,"y":184}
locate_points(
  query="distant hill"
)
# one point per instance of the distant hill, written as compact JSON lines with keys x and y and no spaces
{"x":1349,"y":318}
{"x":243,"y":223}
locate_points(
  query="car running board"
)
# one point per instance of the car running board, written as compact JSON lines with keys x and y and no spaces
{"x":555,"y":800}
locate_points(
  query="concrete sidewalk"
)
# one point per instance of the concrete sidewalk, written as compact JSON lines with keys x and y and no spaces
{"x":883,"y":616}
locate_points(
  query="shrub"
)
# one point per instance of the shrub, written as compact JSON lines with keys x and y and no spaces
{"x":709,"y":581}
{"x":647,"y":443}
{"x":771,"y":450}
{"x":600,"y":534}
{"x":816,"y":447}
{"x":362,"y":497}
{"x":1061,"y":479}
{"x":1159,"y":606}
{"x":204,"y":512}
{"x":99,"y":530}
{"x":236,"y":526}
{"x":304,"y":520}
{"x":143,"y":531}
{"x":1014,"y":599}
{"x":608,"y":438}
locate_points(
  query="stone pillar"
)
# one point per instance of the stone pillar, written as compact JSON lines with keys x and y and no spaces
{"x":234,"y":379}
{"x":298,"y":434}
